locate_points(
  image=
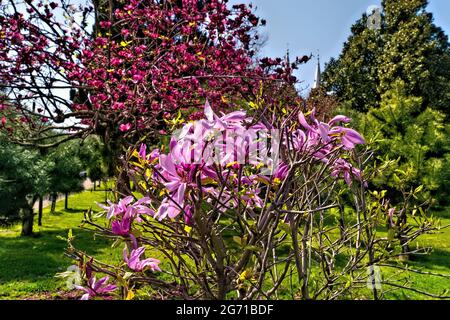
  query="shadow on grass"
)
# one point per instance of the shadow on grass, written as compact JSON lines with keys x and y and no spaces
{"x":70,"y":210}
{"x":42,"y":256}
{"x":437,"y":258}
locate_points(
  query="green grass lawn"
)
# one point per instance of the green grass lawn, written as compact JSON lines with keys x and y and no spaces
{"x":437,"y":262}
{"x":28,"y":264}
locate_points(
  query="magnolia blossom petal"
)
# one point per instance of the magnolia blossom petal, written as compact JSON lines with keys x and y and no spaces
{"x":181,"y":191}
{"x":172,"y":186}
{"x":391,"y":212}
{"x":324,"y":130}
{"x":162,"y":210}
{"x":351,"y":138}
{"x":209,"y":113}
{"x":303,"y":122}
{"x":85,"y":296}
{"x":339,"y":118}
{"x":108,"y":288}
{"x":235,"y":116}
{"x":151,"y":263}
{"x":173,"y":211}
{"x":143,"y":151}
{"x":99,"y":283}
{"x":167,"y":164}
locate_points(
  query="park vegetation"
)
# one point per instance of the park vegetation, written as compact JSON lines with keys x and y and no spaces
{"x":228,"y":183}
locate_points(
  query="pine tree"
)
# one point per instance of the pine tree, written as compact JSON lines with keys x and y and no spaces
{"x":408,"y":47}
{"x":353,"y":76}
{"x":417,"y":140}
{"x":416,"y":52}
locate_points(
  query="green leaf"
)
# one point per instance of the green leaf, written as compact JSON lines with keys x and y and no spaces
{"x":252,"y":248}
{"x":391,"y":234}
{"x":61,"y":238}
{"x":127,"y":275}
{"x":238,"y":240}
{"x":285,"y":227}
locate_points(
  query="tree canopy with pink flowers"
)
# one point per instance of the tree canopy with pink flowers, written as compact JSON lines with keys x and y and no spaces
{"x":132,"y":69}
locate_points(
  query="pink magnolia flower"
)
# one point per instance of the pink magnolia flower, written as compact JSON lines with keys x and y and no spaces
{"x":96,"y":288}
{"x":177,"y":173}
{"x":227,"y":121}
{"x":125,"y":212}
{"x":124,"y":127}
{"x":390,"y":215}
{"x":350,"y":138}
{"x":343,"y":167}
{"x":391,"y":212}
{"x":339,"y":118}
{"x":188,"y":217}
{"x":122,"y":227}
{"x":281,"y":172}
{"x":143,"y":151}
{"x":117,"y":209}
{"x":135,"y":263}
{"x":154,"y":155}
{"x":171,"y":207}
{"x":328,"y":131}
{"x":251,"y":198}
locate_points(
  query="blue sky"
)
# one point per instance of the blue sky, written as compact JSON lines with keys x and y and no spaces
{"x":306,"y":26}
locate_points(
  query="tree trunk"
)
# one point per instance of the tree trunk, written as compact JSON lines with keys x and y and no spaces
{"x":41,"y":205}
{"x":405,"y":255}
{"x":27,"y":221}
{"x":66,"y":201}
{"x":53,"y":207}
{"x":95,"y":182}
{"x":123,"y":184}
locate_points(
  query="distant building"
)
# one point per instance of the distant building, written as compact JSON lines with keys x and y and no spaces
{"x":316,"y":83}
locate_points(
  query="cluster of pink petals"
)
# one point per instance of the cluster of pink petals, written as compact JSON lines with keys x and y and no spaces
{"x":344,"y":168}
{"x":162,"y":66}
{"x":135,"y":263}
{"x":125,"y":212}
{"x":390,"y":215}
{"x":180,"y":175}
{"x":318,"y":132}
{"x":96,"y":288}
{"x":322,"y":140}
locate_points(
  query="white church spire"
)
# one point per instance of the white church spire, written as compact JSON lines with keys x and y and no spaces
{"x":317,"y":74}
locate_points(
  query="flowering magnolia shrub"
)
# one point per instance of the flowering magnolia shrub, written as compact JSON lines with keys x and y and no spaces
{"x":237,"y":208}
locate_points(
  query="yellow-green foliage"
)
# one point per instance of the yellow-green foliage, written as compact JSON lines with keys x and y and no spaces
{"x":418,"y":139}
